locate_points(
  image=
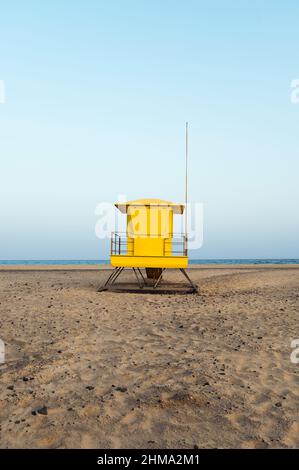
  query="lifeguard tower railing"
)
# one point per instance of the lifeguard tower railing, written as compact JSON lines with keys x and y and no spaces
{"x":122,"y":243}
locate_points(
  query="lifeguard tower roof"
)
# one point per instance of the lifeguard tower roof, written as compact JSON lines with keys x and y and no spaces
{"x":176,"y":208}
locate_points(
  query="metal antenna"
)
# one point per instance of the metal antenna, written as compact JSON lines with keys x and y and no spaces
{"x":186,"y":190}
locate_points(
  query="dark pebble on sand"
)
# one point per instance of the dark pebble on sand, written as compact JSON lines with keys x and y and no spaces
{"x":26,"y":379}
{"x":41,"y":410}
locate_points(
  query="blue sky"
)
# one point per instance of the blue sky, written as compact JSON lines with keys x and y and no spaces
{"x":97,"y":95}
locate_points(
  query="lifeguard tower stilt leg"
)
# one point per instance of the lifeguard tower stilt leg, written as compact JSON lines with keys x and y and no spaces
{"x":111,"y":279}
{"x":159,"y":279}
{"x":188,"y":278}
{"x":141,"y":284}
{"x":138,"y":269}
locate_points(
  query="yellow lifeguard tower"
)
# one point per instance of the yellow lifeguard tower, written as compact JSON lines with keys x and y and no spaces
{"x":149,"y":242}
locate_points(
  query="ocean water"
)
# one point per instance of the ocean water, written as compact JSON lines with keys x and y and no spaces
{"x":106,"y":261}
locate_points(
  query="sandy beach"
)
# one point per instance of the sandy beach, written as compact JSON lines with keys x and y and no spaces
{"x":118,"y":370}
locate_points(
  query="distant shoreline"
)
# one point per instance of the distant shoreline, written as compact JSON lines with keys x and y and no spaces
{"x":102,"y":267}
{"x":106,"y":262}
